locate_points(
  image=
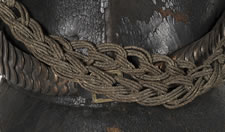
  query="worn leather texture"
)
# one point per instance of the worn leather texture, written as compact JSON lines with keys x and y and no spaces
{"x":161,"y":26}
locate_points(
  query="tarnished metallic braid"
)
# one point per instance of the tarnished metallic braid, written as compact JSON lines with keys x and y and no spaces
{"x":198,"y":51}
{"x":25,"y":71}
{"x":105,"y":68}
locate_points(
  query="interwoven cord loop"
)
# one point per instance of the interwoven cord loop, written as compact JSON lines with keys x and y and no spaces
{"x":151,"y":80}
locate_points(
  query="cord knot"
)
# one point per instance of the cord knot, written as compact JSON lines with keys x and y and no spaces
{"x":10,"y":3}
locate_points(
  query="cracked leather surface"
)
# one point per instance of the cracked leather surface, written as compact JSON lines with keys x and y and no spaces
{"x":159,"y":26}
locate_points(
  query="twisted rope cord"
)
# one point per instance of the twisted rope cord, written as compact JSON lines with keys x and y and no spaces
{"x":153,"y":80}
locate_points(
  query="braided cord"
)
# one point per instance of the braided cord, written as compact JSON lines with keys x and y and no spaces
{"x":152,"y":80}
